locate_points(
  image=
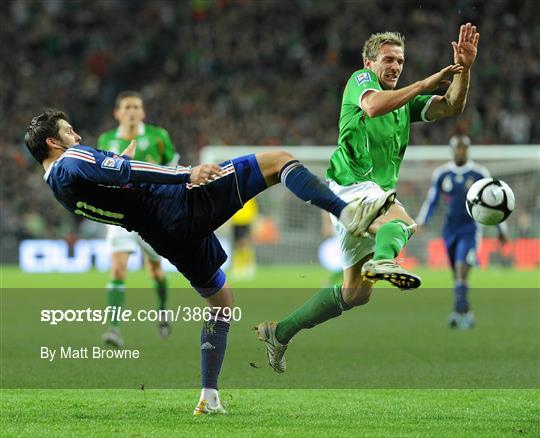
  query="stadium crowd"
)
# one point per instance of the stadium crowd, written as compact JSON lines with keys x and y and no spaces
{"x":244,"y":72}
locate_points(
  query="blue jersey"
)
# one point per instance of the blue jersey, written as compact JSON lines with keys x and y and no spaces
{"x":451,"y":182}
{"x":105,"y":187}
{"x":175,"y":217}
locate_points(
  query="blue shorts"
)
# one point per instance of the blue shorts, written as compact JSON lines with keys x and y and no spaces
{"x":192,"y":247}
{"x":461,"y":248}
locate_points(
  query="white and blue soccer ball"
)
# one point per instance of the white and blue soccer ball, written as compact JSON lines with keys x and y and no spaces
{"x":490,"y":201}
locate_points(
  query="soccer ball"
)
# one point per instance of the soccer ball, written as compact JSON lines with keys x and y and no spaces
{"x":490,"y":201}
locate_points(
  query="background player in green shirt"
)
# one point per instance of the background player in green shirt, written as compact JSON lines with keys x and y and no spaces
{"x":153,"y":145}
{"x":374,"y":127}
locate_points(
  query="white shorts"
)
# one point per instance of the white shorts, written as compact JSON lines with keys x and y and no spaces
{"x":353,"y":249}
{"x":122,"y":240}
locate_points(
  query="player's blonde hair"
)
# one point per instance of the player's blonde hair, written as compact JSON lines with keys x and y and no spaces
{"x":376,"y":40}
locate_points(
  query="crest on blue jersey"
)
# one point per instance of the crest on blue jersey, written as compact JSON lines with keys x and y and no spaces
{"x":362,"y":77}
{"x":447,"y":184}
{"x":112,"y":163}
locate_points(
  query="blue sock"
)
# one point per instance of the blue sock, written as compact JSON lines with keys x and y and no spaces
{"x":213,"y":345}
{"x":309,"y":188}
{"x":461,"y":304}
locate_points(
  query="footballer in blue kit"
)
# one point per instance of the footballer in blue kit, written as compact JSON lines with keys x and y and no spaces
{"x":87,"y":182}
{"x":177,"y":209}
{"x":461,"y":233}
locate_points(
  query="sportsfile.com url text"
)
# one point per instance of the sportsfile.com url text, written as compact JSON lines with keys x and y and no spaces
{"x":114,"y":313}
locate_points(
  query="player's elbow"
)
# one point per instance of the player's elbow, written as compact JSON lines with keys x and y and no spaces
{"x":372,"y":110}
{"x":454,"y":108}
{"x":370,"y":105}
{"x":457,"y":110}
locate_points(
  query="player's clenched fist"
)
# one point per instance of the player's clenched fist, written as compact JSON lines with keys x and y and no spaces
{"x":205,"y":173}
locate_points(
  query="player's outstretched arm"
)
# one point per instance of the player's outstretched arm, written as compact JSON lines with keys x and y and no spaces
{"x":455,"y":99}
{"x":377,"y":103}
{"x":200,"y":175}
{"x":104,"y":167}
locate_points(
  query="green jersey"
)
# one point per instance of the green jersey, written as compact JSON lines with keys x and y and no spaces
{"x":372,"y":148}
{"x":154,"y":144}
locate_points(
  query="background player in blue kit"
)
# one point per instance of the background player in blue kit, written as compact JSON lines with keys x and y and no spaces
{"x":177,"y":209}
{"x":460,"y":232}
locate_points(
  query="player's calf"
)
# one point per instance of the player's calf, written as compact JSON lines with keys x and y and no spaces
{"x":271,"y":164}
{"x":357,"y":296}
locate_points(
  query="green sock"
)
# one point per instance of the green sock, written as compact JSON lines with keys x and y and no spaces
{"x":115,"y":296}
{"x":390,"y":239}
{"x":161,"y":291}
{"x":324,"y":305}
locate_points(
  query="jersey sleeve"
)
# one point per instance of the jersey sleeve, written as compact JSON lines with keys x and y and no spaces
{"x":418,"y":107}
{"x":429,"y":207}
{"x":103,"y":167}
{"x":169,"y":156}
{"x":359,"y":83}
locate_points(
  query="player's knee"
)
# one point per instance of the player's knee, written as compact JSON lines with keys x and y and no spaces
{"x":282,"y":158}
{"x":357,"y":295}
{"x":272,"y":163}
{"x":212,"y":286}
{"x":396,"y":213}
{"x":461,"y":271}
{"x":118,"y":272}
{"x":156,"y":273}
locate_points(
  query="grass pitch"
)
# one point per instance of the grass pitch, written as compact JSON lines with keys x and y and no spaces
{"x":270,"y":412}
{"x":399,"y":342}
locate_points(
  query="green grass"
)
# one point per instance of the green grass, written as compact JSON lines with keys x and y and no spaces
{"x":308,"y":276}
{"x":391,"y":368}
{"x":433,"y":413}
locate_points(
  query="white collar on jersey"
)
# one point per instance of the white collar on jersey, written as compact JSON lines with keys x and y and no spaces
{"x":49,"y":170}
{"x":461,"y":169}
{"x":142,"y":130}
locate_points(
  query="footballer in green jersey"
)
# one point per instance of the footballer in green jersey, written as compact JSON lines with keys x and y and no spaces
{"x":372,"y":148}
{"x":374,"y":127}
{"x":153,"y":145}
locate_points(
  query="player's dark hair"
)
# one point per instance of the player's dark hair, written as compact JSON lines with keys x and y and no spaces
{"x":40,"y":129}
{"x":124,"y":94}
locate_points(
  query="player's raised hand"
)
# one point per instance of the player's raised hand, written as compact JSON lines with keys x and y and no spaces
{"x":130,"y":150}
{"x":466,"y":48}
{"x":434,"y":81}
{"x":205,"y":173}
